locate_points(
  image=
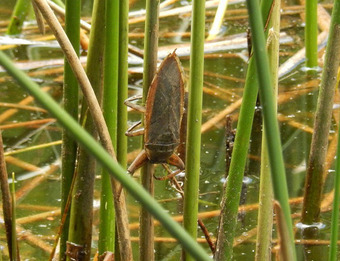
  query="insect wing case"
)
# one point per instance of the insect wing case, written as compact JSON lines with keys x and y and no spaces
{"x":164,"y":109}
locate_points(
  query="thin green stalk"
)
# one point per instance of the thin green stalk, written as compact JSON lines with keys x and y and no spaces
{"x":122,"y":82}
{"x":117,"y":171}
{"x":15,"y":255}
{"x":311,"y":33}
{"x":265,"y":213}
{"x":239,"y":157}
{"x":122,"y":115}
{"x":336,"y":203}
{"x":240,"y":150}
{"x":80,"y":230}
{"x":18,"y":16}
{"x":120,"y":206}
{"x":70,"y":100}
{"x":315,"y":168}
{"x":270,"y":121}
{"x":106,"y":240}
{"x":193,"y":145}
{"x":146,"y":235}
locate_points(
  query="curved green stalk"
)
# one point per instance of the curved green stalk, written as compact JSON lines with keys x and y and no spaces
{"x":270,"y":121}
{"x":70,"y":98}
{"x":106,"y":160}
{"x":106,"y":240}
{"x":193,"y":147}
{"x":311,"y":34}
{"x":18,"y":16}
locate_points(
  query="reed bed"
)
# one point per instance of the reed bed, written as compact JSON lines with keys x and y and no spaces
{"x":226,"y":87}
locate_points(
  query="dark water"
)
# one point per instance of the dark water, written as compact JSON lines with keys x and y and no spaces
{"x":224,"y":80}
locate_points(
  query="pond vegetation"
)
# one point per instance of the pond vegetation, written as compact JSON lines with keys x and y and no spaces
{"x":254,"y":188}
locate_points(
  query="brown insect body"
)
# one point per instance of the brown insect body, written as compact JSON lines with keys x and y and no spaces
{"x":164,"y":110}
{"x":163,"y":115}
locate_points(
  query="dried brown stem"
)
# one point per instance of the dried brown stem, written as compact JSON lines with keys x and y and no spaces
{"x":7,"y":114}
{"x":26,"y":123}
{"x":6,"y":198}
{"x":24,"y":190}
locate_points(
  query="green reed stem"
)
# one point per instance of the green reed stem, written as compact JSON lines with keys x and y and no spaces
{"x":270,"y":121}
{"x":311,"y":34}
{"x":15,"y":255}
{"x":106,"y":240}
{"x":265,"y":213}
{"x":240,"y":150}
{"x":80,"y":231}
{"x":122,"y":115}
{"x":193,"y":144}
{"x":335,"y":214}
{"x":315,"y":168}
{"x":18,"y":16}
{"x":122,"y":82}
{"x":70,"y":100}
{"x":146,"y":235}
{"x":116,"y":170}
{"x":123,"y":247}
{"x":333,"y":251}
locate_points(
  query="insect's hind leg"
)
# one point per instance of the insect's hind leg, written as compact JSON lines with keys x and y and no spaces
{"x":139,"y":161}
{"x":171,"y":174}
{"x":128,"y":102}
{"x":174,"y":160}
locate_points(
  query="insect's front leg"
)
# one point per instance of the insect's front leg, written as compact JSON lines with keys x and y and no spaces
{"x":129,"y":102}
{"x":131,"y":132}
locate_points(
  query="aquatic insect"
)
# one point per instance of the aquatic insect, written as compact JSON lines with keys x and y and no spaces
{"x":162,"y":116}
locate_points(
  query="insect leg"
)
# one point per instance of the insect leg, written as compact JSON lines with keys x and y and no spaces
{"x":139,"y":161}
{"x":128,"y":102}
{"x":131,"y":133}
{"x":170,"y":173}
{"x":174,"y":160}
